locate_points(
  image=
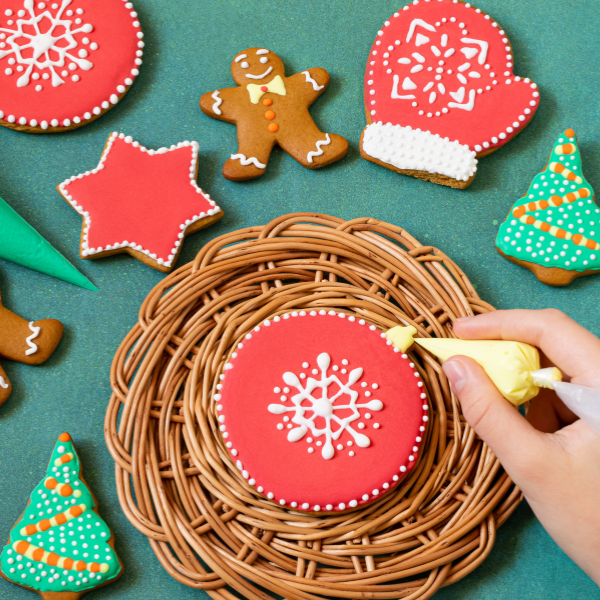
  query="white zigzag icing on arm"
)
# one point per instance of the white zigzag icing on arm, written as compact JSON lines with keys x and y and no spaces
{"x":32,"y":347}
{"x":246,"y":161}
{"x":319,"y":150}
{"x":218,"y":102}
{"x":309,"y":79}
{"x":3,"y":383}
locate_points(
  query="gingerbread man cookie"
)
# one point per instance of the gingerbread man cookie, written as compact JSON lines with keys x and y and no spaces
{"x":27,"y":342}
{"x":271,"y":109}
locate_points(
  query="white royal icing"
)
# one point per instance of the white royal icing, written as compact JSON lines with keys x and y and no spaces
{"x":3,"y":383}
{"x":413,"y":149}
{"x":218,"y":101}
{"x":250,"y":76}
{"x":319,"y":150}
{"x":32,"y":347}
{"x":323,"y":406}
{"x":309,"y":79}
{"x":250,"y":160}
{"x":48,"y":51}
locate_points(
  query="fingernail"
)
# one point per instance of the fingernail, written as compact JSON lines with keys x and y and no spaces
{"x":462,"y":319}
{"x":456,"y":373}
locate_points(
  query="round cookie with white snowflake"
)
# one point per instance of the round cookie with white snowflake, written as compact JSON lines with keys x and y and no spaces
{"x":64,"y":63}
{"x":320,"y":412}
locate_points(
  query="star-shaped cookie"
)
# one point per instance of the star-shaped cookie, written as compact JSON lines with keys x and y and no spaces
{"x":140,"y":201}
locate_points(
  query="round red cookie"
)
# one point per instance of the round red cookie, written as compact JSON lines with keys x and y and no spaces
{"x":320,"y":412}
{"x":63,"y":63}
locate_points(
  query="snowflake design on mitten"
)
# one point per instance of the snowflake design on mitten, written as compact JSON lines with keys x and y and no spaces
{"x":324,"y":406}
{"x":44,"y":41}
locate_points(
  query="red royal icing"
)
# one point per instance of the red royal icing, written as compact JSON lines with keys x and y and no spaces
{"x":264,"y":88}
{"x":139,"y":198}
{"x":76,"y":59}
{"x":257,"y":411}
{"x":496,"y":103}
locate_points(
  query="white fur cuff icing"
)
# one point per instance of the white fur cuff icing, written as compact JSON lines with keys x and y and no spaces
{"x":412,"y":149}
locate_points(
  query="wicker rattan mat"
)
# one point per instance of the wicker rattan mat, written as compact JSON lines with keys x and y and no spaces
{"x":176,"y":481}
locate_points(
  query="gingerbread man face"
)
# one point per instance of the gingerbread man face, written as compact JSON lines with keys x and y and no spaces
{"x":256,"y":65}
{"x":270,"y":109}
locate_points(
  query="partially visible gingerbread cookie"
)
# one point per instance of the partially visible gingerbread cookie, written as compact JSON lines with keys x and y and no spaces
{"x":271,"y":110}
{"x":440,"y":92}
{"x":139,"y":201}
{"x":64,"y":63}
{"x":60,"y":547}
{"x":26,"y":342}
{"x":554,"y":229}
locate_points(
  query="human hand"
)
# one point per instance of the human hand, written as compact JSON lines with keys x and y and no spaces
{"x":553,"y":457}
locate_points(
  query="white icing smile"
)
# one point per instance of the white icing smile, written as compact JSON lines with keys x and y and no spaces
{"x":250,"y":76}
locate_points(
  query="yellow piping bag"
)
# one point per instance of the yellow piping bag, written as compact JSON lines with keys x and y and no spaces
{"x":513,"y":367}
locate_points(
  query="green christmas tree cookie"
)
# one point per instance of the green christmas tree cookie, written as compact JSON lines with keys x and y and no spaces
{"x":554,"y":230}
{"x":60,"y":547}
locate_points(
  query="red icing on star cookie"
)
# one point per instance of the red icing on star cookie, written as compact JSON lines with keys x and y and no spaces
{"x":140,"y":201}
{"x":319,"y":412}
{"x":444,"y":68}
{"x":65,"y":62}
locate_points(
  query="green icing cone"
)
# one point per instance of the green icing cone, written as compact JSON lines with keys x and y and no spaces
{"x":22,"y":244}
{"x":557,"y":223}
{"x":60,"y":543}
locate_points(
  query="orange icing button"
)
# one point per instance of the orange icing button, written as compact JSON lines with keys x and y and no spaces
{"x":65,"y":490}
{"x":65,"y":437}
{"x":270,"y":115}
{"x":267,"y":101}
{"x":273,"y":127}
{"x":570,"y":133}
{"x":50,"y":483}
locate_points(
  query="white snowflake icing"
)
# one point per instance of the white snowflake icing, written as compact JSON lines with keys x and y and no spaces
{"x":325,"y":407}
{"x":44,"y":41}
{"x":435,"y":60}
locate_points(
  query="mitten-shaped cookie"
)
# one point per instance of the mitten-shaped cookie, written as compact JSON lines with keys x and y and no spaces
{"x":271,"y":109}
{"x":27,"y":342}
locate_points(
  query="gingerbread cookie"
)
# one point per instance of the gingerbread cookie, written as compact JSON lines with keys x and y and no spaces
{"x":554,"y":229}
{"x":321,"y":422}
{"x":26,"y":342}
{"x":64,"y":63}
{"x":440,"y":92}
{"x":20,"y":243}
{"x":139,"y":201}
{"x":271,"y":109}
{"x":60,"y":547}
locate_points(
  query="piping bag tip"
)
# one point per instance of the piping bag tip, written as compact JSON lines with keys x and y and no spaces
{"x":513,"y":367}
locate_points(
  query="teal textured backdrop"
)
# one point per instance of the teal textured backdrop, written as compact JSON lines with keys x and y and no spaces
{"x":189,"y":45}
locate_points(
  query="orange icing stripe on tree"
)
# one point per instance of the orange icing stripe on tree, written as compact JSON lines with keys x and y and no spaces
{"x":63,"y":489}
{"x":566,"y":149}
{"x":559,"y":233}
{"x":54,"y":560}
{"x":566,"y":173}
{"x":59,"y":519}
{"x":554,"y":201}
{"x":64,"y":459}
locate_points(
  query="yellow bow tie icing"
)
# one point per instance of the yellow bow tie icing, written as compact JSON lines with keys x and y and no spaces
{"x":256,"y":91}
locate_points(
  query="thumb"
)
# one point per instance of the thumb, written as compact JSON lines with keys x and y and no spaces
{"x":496,"y":421}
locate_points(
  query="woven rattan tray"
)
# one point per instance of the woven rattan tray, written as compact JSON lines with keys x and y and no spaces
{"x":176,"y":482}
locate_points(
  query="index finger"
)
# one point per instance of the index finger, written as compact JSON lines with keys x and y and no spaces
{"x":571,"y":347}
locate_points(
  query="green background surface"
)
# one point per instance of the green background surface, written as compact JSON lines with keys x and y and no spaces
{"x":189,"y":45}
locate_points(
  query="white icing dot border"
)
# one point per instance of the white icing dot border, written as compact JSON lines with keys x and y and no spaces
{"x":508,"y":78}
{"x":94,"y":111}
{"x":168,"y":262}
{"x":304,"y":506}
